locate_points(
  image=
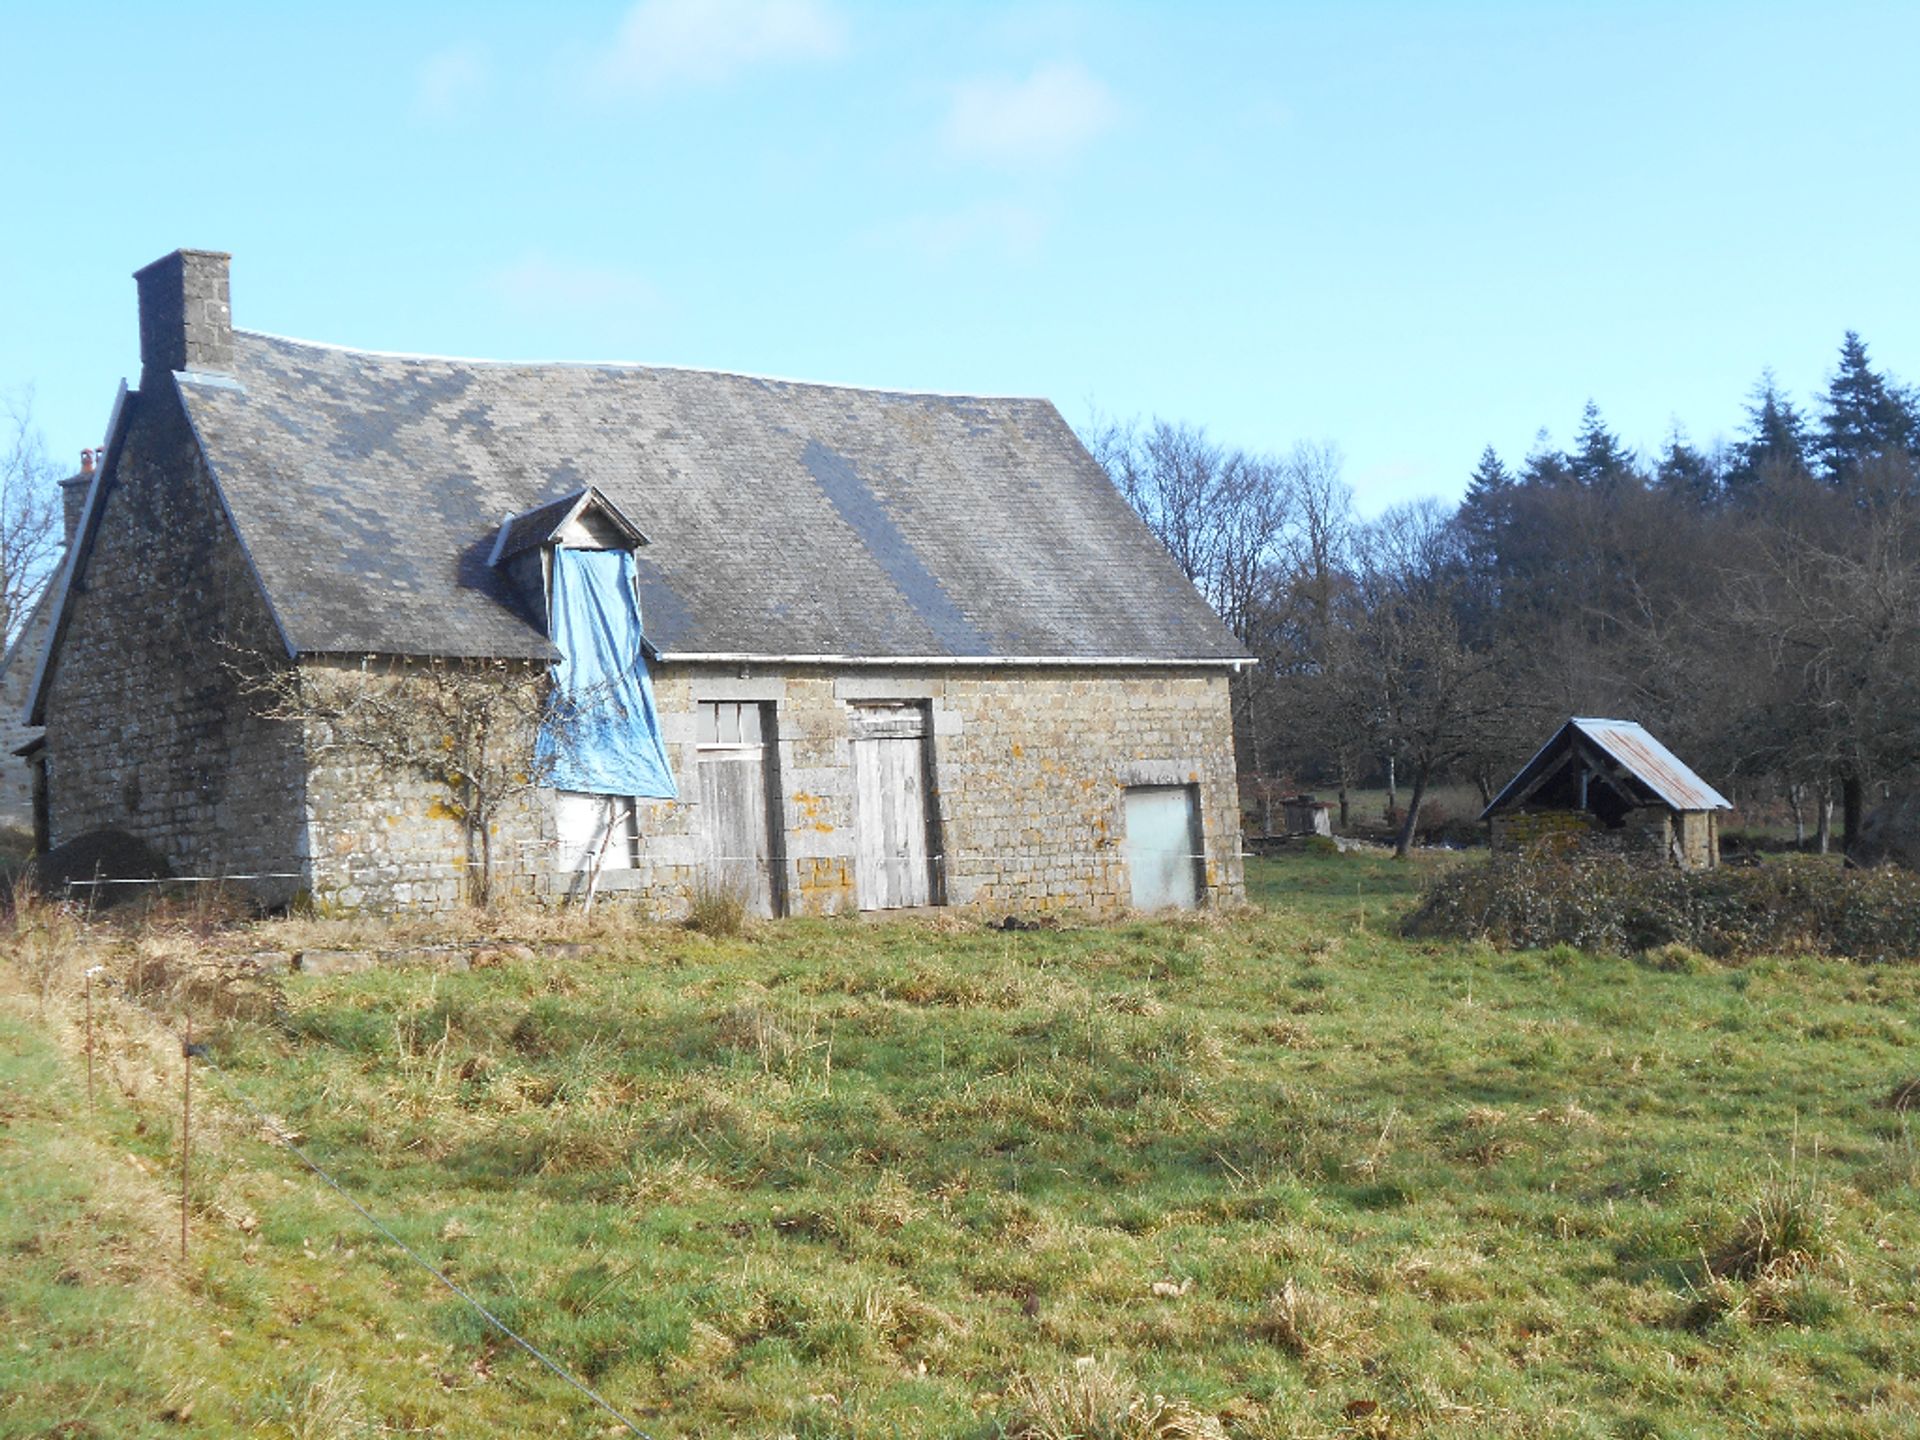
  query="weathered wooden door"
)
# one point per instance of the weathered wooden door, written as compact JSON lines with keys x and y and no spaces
{"x":736,"y":803}
{"x":892,"y":864}
{"x":1163,"y":846}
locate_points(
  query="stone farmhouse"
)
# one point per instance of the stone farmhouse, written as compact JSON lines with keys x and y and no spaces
{"x":894,"y":649}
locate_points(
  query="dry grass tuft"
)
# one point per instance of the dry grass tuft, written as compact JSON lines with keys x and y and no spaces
{"x":1096,"y":1401}
{"x":327,"y":1407}
{"x":1134,"y":1002}
{"x":44,"y":939}
{"x":891,"y":1205}
{"x":758,"y":1028}
{"x":1304,"y":1323}
{"x":1569,"y":1116}
{"x":1787,"y":1229}
{"x":1486,"y":1136}
{"x":1294,"y":1034}
{"x":1905,"y":1096}
{"x":718,"y":910}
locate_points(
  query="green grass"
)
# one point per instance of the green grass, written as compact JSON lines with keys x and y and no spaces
{"x":843,"y":1179}
{"x":1368,"y":808}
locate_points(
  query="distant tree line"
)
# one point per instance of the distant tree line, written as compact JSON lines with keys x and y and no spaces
{"x":1756,"y":603}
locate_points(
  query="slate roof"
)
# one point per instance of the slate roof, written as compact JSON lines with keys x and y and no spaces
{"x":1630,"y":746}
{"x":786,"y":518}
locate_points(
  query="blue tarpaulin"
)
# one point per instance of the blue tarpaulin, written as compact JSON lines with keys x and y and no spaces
{"x":604,"y":737}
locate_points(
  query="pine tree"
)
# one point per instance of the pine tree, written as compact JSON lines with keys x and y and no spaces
{"x":1598,"y":459}
{"x":1489,"y":499}
{"x":1486,"y":515}
{"x":1686,"y":473}
{"x":1546,"y":468}
{"x":1775,"y":444}
{"x":1866,"y":418}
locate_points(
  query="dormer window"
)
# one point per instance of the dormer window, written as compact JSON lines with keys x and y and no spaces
{"x":584,"y":520}
{"x":600,"y":747}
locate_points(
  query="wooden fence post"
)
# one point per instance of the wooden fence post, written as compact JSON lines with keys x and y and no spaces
{"x":186,"y":1128}
{"x":90,"y":970}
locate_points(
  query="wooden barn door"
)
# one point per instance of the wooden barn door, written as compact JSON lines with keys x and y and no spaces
{"x":736,"y":802}
{"x":892,"y":860}
{"x":1163,"y":846}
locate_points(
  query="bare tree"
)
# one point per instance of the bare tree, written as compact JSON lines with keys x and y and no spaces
{"x":1223,"y":515}
{"x":30,"y":530}
{"x":1409,"y":673}
{"x":1825,"y":632}
{"x":1312,"y":601}
{"x":1220,"y":512}
{"x":467,"y":727}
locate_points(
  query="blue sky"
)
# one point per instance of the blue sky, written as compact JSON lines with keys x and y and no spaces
{"x":1408,"y":229}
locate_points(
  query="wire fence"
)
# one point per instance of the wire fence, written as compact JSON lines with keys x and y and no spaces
{"x":275,"y":1131}
{"x":450,"y":868}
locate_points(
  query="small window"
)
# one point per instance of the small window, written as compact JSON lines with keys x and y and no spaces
{"x":730,"y":724}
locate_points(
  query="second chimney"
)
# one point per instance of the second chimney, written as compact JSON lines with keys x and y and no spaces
{"x":186,"y":315}
{"x":73,"y":493}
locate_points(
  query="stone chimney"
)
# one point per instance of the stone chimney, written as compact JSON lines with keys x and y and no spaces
{"x":73,"y":492}
{"x":186,"y":317}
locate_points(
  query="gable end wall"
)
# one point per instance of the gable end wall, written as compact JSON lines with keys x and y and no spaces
{"x":146,"y":728}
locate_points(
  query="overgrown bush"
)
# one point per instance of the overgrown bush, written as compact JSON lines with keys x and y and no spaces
{"x":1616,"y":905}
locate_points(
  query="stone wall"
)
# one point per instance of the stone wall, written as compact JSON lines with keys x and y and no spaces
{"x":1699,"y":839}
{"x":385,"y":835}
{"x":16,"y":680}
{"x":1029,"y":770}
{"x":1648,"y":831}
{"x":146,"y":730}
{"x":1556,"y":831}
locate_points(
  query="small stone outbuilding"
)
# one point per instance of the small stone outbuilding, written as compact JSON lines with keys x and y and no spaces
{"x":1608,"y":784}
{"x":905,"y":649}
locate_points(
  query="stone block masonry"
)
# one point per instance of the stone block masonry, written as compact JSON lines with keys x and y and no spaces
{"x":146,"y":728}
{"x":1028,"y":770}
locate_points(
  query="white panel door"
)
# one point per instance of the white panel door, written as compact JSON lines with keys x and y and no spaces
{"x":1161,"y":847}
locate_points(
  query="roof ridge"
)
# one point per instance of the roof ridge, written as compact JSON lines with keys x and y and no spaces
{"x":636,"y":365}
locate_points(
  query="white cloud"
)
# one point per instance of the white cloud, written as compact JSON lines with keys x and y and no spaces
{"x":449,"y":82}
{"x":665,"y":43}
{"x":537,"y":284}
{"x":1041,"y":120}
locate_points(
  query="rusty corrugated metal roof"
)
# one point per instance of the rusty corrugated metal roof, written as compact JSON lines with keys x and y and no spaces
{"x":1657,"y":767}
{"x":1628,"y":743}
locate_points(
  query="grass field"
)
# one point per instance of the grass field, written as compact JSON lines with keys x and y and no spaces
{"x":1283,"y":1170}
